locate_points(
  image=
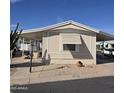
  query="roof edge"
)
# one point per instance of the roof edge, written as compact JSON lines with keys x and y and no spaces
{"x":60,"y":24}
{"x":107,"y":34}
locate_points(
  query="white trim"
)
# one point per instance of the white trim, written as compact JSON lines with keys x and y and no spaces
{"x":86,"y":27}
{"x":47,"y":28}
{"x":60,"y":24}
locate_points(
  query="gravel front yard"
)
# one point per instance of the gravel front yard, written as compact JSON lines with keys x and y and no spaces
{"x":62,"y":78}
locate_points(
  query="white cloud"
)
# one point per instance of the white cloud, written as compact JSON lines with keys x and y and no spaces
{"x":15,"y":1}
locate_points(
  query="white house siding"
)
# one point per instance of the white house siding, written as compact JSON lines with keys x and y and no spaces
{"x":54,"y":40}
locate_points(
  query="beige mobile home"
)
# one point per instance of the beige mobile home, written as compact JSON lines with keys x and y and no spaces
{"x":67,"y":42}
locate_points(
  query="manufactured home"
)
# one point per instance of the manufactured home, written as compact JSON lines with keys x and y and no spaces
{"x":67,"y":42}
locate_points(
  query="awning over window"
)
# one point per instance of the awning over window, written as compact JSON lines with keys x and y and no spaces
{"x":70,"y":38}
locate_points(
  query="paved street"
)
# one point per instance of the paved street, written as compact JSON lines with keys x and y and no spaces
{"x":91,"y":85}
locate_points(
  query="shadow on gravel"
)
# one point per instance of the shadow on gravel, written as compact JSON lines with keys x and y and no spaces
{"x":26,"y":64}
{"x":92,"y":85}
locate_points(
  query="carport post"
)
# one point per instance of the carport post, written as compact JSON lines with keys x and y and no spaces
{"x":23,"y":40}
{"x":31,"y":53}
{"x":103,"y":49}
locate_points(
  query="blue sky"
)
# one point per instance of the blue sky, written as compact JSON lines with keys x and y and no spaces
{"x":38,"y":13}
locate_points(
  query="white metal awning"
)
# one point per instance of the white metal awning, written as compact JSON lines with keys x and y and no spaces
{"x":70,"y":38}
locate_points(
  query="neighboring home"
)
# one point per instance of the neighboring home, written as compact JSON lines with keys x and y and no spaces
{"x":67,"y":42}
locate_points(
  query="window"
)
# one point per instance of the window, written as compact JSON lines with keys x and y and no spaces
{"x":71,"y":47}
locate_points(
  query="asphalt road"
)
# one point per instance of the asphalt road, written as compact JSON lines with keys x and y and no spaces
{"x":92,"y":85}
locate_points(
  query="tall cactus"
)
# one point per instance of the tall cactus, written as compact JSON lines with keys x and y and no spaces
{"x":14,"y":36}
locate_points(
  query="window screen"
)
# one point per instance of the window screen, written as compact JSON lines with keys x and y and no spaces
{"x":70,"y":47}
